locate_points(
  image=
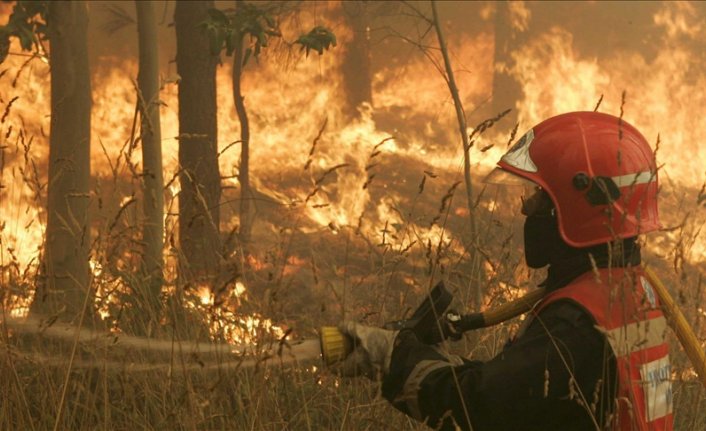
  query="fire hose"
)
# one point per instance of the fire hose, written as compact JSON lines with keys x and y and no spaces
{"x":432,"y":323}
{"x":682,"y":329}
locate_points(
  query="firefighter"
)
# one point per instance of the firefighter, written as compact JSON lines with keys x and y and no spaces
{"x":592,"y":353}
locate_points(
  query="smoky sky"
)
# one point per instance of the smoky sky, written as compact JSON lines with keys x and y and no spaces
{"x":599,"y":28}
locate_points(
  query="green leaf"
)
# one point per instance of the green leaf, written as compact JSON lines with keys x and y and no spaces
{"x":318,"y":39}
{"x":4,"y":47}
{"x":218,"y":16}
{"x":41,"y":30}
{"x":270,"y":21}
{"x":221,"y":37}
{"x":230,"y":42}
{"x":26,"y":24}
{"x":214,"y":43}
{"x":262,"y":39}
{"x":246,"y":56}
{"x":26,"y":37}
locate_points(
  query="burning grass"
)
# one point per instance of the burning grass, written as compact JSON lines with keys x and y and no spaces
{"x":351,"y":223}
{"x":301,"y":280}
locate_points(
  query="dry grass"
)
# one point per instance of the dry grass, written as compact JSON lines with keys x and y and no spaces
{"x":106,"y":396}
{"x":375,"y":270}
{"x":108,"y":389}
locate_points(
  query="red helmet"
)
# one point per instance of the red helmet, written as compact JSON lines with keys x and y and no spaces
{"x":599,"y":171}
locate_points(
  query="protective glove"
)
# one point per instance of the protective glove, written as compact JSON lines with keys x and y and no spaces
{"x":372,"y":353}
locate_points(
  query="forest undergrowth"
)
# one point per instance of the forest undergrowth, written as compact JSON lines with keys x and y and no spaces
{"x":299,"y":281}
{"x":175,"y":369}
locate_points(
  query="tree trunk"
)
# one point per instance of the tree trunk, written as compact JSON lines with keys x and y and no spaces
{"x":356,"y":59}
{"x":66,"y":291}
{"x":246,"y":195}
{"x":465,"y":141}
{"x":151,"y":138}
{"x":199,"y":198}
{"x":460,"y":117}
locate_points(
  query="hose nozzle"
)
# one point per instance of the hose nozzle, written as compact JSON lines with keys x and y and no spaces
{"x":335,"y":345}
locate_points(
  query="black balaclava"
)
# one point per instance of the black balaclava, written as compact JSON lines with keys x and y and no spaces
{"x":541,"y":229}
{"x":541,"y":240}
{"x":545,"y":246}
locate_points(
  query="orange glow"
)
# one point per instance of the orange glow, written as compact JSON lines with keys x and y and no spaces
{"x":662,"y":96}
{"x":287,"y":106}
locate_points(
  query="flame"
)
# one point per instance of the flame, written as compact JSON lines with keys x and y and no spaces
{"x":23,"y":128}
{"x":205,"y":295}
{"x":662,"y":94}
{"x":225,"y":321}
{"x":680,"y":18}
{"x":520,"y":15}
{"x":281,"y":111}
{"x":663,"y":97}
{"x":287,"y":106}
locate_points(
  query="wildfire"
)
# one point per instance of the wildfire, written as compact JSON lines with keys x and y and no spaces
{"x":663,"y":96}
{"x":225,"y":321}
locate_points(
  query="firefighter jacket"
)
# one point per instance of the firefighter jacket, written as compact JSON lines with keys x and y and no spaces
{"x":625,"y":308}
{"x":591,"y":356}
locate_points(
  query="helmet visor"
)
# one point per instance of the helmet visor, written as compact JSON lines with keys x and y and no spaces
{"x":534,"y":199}
{"x":501,"y":177}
